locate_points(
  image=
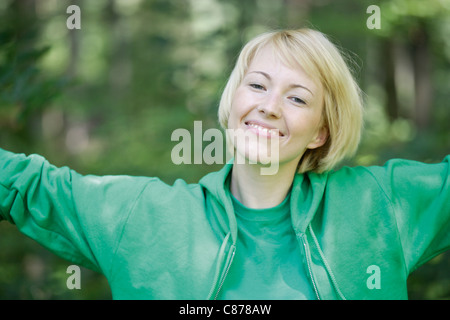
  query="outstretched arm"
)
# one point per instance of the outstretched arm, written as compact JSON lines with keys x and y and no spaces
{"x":77,"y":217}
{"x":420,"y":195}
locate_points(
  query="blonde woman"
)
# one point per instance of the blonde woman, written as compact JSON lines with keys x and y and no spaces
{"x":305,"y":232}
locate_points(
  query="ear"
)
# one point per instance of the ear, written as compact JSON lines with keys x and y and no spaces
{"x":320,"y":139}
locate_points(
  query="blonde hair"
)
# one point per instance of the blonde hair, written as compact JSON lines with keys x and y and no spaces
{"x":321,"y":60}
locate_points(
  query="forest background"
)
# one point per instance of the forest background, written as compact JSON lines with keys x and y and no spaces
{"x":105,"y":98}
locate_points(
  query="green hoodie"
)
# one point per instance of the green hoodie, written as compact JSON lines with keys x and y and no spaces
{"x":363,"y":230}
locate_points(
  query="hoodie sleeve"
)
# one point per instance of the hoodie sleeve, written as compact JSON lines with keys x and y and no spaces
{"x":80,"y":218}
{"x":420,"y":197}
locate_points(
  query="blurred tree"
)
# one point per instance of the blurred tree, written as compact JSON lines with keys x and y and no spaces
{"x":25,"y":90}
{"x":105,"y":99}
{"x":410,"y":35}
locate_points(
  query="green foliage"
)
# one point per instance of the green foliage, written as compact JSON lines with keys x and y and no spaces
{"x":105,"y":99}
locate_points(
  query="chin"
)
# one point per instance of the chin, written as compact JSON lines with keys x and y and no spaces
{"x":257,"y":154}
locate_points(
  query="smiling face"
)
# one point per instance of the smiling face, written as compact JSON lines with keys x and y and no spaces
{"x":275,"y":101}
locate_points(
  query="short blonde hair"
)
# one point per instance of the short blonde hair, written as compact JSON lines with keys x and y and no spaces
{"x":321,"y":60}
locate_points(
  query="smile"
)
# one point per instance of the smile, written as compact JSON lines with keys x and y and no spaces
{"x":262,"y":129}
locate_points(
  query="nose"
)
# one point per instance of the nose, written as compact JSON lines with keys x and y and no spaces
{"x":271,"y":106}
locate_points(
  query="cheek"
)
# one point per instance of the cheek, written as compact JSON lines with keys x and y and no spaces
{"x":238,"y":109}
{"x":303,"y":126}
{"x":232,"y":119}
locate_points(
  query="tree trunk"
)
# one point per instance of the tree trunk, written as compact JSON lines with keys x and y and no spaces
{"x":388,"y":61}
{"x":422,"y":76}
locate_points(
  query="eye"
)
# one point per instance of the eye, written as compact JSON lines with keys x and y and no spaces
{"x":297,"y":100}
{"x":257,"y":86}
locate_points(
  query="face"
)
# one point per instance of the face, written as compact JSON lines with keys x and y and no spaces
{"x":275,"y":102}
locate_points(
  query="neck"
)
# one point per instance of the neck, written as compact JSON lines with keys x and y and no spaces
{"x":258,"y":191}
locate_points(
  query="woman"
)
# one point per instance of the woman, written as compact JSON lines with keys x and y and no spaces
{"x":304,"y":232}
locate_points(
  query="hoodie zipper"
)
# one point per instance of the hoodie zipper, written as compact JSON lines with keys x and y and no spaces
{"x":308,"y":262}
{"x":327,"y":266}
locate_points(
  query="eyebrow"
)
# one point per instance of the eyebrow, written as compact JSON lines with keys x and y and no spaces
{"x":291,"y":86}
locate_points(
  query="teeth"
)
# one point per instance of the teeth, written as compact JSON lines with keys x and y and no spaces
{"x":265,"y":130}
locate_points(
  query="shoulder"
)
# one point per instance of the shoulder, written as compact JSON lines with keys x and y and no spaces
{"x":397,"y":179}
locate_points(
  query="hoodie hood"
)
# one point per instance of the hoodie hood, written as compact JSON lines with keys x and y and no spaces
{"x":306,"y":195}
{"x":216,"y":188}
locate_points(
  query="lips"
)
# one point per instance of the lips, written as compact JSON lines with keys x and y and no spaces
{"x":263,"y":128}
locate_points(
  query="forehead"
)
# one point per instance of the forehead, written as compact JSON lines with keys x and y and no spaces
{"x":277,"y":62}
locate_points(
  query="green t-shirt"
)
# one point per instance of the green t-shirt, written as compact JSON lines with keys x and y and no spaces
{"x":268,"y":263}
